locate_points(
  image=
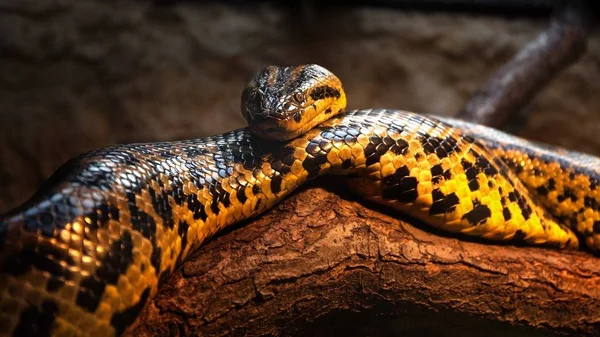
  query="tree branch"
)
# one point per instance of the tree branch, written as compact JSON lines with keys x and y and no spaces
{"x":320,"y":264}
{"x":516,"y":83}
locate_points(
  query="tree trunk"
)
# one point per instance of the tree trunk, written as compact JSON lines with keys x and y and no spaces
{"x":322,"y":263}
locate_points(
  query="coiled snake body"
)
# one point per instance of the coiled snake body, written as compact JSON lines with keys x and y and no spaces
{"x":88,"y":251}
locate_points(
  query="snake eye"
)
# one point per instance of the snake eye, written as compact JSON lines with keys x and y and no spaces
{"x":299,"y":97}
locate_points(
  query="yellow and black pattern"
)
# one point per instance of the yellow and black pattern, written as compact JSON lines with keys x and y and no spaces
{"x":567,"y":183}
{"x":86,"y":254}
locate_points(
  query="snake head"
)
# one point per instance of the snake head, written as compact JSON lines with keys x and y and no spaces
{"x":281,"y":103}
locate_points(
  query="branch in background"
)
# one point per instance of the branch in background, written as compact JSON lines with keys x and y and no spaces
{"x":516,"y":83}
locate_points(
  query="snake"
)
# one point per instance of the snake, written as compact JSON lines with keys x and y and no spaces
{"x":89,"y":250}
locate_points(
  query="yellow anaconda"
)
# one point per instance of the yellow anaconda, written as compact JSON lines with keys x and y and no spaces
{"x":87,"y":252}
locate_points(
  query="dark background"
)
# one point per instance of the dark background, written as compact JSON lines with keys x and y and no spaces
{"x":76,"y":75}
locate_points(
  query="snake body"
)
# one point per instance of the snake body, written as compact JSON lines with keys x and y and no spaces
{"x":85,"y":255}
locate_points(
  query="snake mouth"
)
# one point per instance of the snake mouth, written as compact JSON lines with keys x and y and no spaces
{"x":276,"y":127}
{"x":284,"y":121}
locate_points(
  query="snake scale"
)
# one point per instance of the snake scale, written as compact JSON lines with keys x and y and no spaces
{"x":89,"y":250}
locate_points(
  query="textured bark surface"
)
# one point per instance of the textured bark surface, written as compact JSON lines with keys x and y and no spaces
{"x":320,"y":265}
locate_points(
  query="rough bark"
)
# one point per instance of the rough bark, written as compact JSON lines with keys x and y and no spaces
{"x":322,"y":263}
